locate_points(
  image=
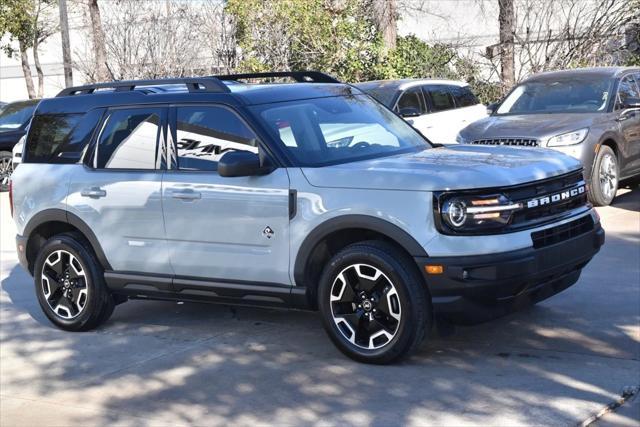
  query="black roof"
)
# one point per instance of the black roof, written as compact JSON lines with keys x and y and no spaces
{"x":228,"y":89}
{"x":604,"y":72}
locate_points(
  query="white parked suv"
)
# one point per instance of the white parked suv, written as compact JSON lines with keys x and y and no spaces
{"x":439,"y":109}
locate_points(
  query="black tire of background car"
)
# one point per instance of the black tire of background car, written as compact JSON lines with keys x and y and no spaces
{"x":595,"y":193}
{"x":100,"y":303}
{"x":414,"y":299}
{"x":6,"y":160}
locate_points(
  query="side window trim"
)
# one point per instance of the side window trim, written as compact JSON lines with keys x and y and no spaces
{"x":172,"y":132}
{"x":91,"y":157}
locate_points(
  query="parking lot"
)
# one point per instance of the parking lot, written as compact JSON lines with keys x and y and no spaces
{"x":161,"y":363}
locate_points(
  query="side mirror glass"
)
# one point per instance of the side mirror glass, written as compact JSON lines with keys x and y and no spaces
{"x":409,"y":112}
{"x":491,"y":108}
{"x":242,"y":163}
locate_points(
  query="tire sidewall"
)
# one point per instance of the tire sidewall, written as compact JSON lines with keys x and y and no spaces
{"x":398,"y":276}
{"x":9,"y":155}
{"x":597,"y":196}
{"x":92,"y":277}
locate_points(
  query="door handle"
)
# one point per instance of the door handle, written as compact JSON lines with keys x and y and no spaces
{"x":186,"y":195}
{"x":93,"y":192}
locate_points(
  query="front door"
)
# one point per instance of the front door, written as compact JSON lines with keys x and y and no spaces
{"x":118,"y":192}
{"x":222,"y":229}
{"x":629,"y":123}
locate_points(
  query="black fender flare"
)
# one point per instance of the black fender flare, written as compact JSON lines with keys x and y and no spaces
{"x":60,"y":215}
{"x":366,"y":222}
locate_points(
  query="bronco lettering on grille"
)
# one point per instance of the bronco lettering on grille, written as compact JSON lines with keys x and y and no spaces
{"x":555,"y":198}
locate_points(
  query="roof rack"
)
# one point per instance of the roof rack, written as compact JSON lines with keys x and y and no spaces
{"x":298,"y":76}
{"x":194,"y":84}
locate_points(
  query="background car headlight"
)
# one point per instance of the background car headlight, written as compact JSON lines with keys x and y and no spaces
{"x":569,"y":138}
{"x":460,"y":139}
{"x":477,"y":213}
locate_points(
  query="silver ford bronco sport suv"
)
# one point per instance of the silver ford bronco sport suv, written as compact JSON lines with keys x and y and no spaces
{"x":306,"y":195}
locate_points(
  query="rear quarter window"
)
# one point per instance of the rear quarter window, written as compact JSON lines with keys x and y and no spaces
{"x":59,"y":138}
{"x":463,"y":96}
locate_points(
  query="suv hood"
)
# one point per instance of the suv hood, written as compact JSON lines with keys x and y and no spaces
{"x":454,"y":167}
{"x":540,"y":126}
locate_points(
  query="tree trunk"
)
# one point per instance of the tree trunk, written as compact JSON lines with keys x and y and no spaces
{"x":506,"y":18}
{"x":36,"y":61}
{"x":385,"y":18}
{"x":66,"y":45}
{"x":26,"y":70}
{"x":102,"y":71}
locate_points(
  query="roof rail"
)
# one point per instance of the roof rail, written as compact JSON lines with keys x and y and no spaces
{"x":298,"y":76}
{"x":194,"y":84}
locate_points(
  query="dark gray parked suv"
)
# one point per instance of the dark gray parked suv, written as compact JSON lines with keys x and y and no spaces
{"x":592,"y":114}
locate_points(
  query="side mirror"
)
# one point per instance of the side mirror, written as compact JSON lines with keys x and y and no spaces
{"x":631,"y":103}
{"x":491,"y":108}
{"x":409,"y":112}
{"x":242,"y":163}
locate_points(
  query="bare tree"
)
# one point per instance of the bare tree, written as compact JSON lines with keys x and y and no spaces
{"x":507,"y":21}
{"x":26,"y":69}
{"x":99,"y":49}
{"x":66,"y":45}
{"x":385,"y":16}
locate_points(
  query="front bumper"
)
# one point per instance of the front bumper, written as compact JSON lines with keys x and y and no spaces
{"x":478,"y":288}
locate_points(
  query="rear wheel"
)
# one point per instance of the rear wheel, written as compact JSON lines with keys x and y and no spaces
{"x":604,"y":178}
{"x":70,"y":284}
{"x":373,"y":303}
{"x":6,"y":169}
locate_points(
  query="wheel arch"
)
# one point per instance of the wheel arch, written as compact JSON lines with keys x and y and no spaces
{"x":50,"y":222}
{"x":329,"y":237}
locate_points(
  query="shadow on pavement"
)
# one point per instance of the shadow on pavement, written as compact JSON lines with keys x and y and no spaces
{"x":196,"y":364}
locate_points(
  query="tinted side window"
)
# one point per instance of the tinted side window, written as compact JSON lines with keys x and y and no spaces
{"x":129,"y":139}
{"x":441,"y":99}
{"x":60,"y":138}
{"x":411,"y":98}
{"x":463,"y":96}
{"x":205,"y":134}
{"x":627,"y":89}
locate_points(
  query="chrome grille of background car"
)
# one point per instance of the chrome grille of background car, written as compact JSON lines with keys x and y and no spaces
{"x":518,"y":142}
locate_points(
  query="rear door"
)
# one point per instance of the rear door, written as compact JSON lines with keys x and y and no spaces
{"x":442,"y":123}
{"x":117,"y":193}
{"x":468,"y":108}
{"x":222,"y":229}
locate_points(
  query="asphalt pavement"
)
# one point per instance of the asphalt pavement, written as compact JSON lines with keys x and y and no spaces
{"x":566,"y":361}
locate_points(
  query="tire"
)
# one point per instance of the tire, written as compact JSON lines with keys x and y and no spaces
{"x":398,"y":303}
{"x":6,"y":169}
{"x":604,"y":177}
{"x":69,"y":284}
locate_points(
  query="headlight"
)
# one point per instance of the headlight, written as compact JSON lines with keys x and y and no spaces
{"x":477,"y":213}
{"x":569,"y":138}
{"x":460,"y":139}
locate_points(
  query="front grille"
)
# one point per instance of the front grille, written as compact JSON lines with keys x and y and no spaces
{"x":515,"y":142}
{"x":533,"y":216}
{"x":560,"y":233}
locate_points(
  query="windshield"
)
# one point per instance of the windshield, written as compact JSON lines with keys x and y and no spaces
{"x":323,"y":131}
{"x":15,"y":115}
{"x":580,"y":94}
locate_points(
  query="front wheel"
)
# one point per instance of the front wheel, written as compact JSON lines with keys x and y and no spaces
{"x":604,"y":178}
{"x":70,"y":284}
{"x":373,"y":303}
{"x":6,"y":169}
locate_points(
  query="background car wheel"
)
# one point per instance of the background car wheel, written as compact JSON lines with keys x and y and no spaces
{"x":70,"y":284}
{"x":604,"y":177}
{"x":373,"y":302}
{"x":6,"y":169}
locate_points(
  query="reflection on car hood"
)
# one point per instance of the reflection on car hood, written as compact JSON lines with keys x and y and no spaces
{"x":446,"y":168}
{"x":537,"y":126}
